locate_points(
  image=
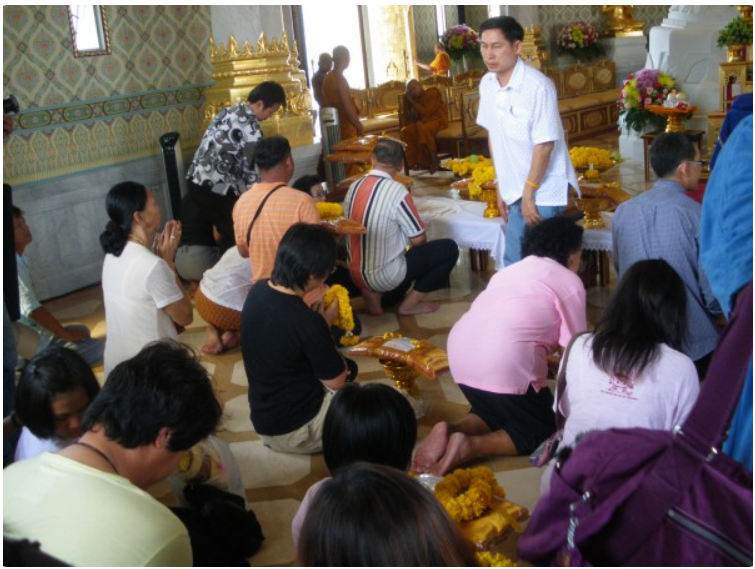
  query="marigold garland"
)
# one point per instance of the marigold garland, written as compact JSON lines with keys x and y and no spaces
{"x":488,"y":559}
{"x":467,"y":492}
{"x":328,"y":210}
{"x":345,"y":318}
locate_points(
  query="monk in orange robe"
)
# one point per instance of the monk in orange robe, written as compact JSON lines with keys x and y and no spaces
{"x":335,"y":92}
{"x":438,"y":66}
{"x":426,"y":115}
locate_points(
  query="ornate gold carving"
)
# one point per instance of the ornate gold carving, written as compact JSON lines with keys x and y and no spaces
{"x":621,"y":22}
{"x":746,"y":13}
{"x":533,"y":51}
{"x":238,"y":69}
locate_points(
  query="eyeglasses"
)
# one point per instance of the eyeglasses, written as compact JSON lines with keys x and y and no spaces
{"x":698,"y":162}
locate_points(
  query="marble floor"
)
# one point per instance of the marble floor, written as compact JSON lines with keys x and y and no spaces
{"x":275,"y":483}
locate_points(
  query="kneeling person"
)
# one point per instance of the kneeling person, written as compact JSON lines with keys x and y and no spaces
{"x":291,"y":360}
{"x":380,"y":262}
{"x":87,"y":505}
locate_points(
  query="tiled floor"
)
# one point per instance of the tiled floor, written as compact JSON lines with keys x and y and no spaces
{"x":275,"y":483}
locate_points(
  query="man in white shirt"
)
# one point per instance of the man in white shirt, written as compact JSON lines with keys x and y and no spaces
{"x":519,"y":109}
{"x":87,"y":505}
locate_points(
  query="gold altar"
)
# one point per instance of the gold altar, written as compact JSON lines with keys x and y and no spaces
{"x":237,"y":70}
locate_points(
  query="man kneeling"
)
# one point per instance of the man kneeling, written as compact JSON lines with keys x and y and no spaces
{"x":380,"y":262}
{"x":87,"y":505}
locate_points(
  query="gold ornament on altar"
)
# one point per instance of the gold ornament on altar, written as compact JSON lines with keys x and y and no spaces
{"x":675,"y":116}
{"x":621,"y":22}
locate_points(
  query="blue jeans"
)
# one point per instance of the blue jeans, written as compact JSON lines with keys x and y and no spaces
{"x":516,"y":227}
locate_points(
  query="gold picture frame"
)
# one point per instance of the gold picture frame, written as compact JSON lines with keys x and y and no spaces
{"x":102,"y":32}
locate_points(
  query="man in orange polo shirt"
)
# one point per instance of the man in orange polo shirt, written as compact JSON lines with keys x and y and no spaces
{"x":283,"y":206}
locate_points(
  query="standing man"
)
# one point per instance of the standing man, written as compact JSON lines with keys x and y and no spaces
{"x":519,"y":109}
{"x":222,"y":168}
{"x":426,"y":115}
{"x":335,"y":92}
{"x":324,"y":65}
{"x":663,"y":223}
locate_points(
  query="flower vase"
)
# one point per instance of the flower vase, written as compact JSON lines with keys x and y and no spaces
{"x":464,"y":64}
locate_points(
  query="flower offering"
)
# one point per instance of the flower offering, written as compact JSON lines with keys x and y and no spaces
{"x":328,"y":210}
{"x":640,"y":90}
{"x":461,"y":40}
{"x":345,"y":318}
{"x":467,"y":493}
{"x":580,"y":40}
{"x":583,"y":157}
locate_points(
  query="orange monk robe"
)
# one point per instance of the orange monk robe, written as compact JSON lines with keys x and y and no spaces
{"x":441,"y":64}
{"x":430,"y":117}
{"x":332,"y":97}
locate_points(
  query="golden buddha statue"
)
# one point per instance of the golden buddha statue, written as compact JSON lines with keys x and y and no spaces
{"x":621,"y":23}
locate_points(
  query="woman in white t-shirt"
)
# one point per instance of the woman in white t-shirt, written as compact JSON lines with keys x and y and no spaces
{"x":144,"y":298}
{"x":631,"y":372}
{"x":220,"y":298}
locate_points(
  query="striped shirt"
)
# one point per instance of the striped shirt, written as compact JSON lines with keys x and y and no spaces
{"x":387,"y":210}
{"x":284,"y":208}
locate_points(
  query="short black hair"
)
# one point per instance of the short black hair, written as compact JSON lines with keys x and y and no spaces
{"x":510,"y":28}
{"x":164,"y":385}
{"x":270,"y":151}
{"x":370,"y":515}
{"x":555,"y":238}
{"x":669,"y":150}
{"x":649,"y":308}
{"x":270,"y":93}
{"x":52,"y":372}
{"x":389,"y":152}
{"x":17,"y":212}
{"x":305,"y":251}
{"x":306,"y":182}
{"x":370,"y":423}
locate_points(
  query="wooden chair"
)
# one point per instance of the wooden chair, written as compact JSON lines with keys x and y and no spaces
{"x":474,"y":137}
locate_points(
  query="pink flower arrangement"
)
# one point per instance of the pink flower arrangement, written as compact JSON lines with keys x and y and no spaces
{"x":580,"y":40}
{"x":640,"y":89}
{"x":461,"y":40}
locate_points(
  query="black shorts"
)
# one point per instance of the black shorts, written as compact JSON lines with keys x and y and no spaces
{"x":528,"y":419}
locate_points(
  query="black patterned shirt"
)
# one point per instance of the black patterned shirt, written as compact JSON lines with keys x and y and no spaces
{"x":222,"y":162}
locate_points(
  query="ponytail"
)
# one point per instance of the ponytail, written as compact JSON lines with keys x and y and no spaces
{"x":123,"y":201}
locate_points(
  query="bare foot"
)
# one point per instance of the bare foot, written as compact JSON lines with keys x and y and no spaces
{"x":457,"y":451}
{"x":432,"y":448}
{"x":419,"y":308}
{"x":213,"y":343}
{"x":230,"y":339}
{"x":372,"y":302}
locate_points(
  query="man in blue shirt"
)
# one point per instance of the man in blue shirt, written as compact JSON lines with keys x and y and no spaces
{"x":664,"y":223}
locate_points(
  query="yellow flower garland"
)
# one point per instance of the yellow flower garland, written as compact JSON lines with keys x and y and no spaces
{"x":467,"y":492}
{"x":328,"y":210}
{"x":345,"y":318}
{"x":488,"y":559}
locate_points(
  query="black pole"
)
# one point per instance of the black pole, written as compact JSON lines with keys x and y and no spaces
{"x":10,"y":271}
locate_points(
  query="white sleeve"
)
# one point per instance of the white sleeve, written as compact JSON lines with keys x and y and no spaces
{"x":688,"y":390}
{"x":161,"y":285}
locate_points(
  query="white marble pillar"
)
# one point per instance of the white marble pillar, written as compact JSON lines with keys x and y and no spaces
{"x":629,"y":54}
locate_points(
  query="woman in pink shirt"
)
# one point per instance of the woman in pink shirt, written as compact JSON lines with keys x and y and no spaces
{"x":498,"y":351}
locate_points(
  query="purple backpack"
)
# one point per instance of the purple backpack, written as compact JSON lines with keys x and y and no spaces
{"x":653,"y":498}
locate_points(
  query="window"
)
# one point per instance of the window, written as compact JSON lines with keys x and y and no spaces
{"x":89,"y":31}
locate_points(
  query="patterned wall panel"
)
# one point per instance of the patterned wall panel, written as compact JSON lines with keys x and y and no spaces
{"x":452,"y":15}
{"x":476,"y":15}
{"x":425,"y":31}
{"x":83,"y":113}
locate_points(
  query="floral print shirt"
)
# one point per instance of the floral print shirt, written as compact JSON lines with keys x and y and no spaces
{"x":222,"y":162}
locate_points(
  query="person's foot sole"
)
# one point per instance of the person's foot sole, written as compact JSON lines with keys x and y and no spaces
{"x":420,"y":308}
{"x":432,"y":448}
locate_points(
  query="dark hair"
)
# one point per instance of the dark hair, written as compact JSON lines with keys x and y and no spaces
{"x":510,"y":28}
{"x":649,"y":308}
{"x":389,"y":152}
{"x":50,"y":373}
{"x":123,"y":201}
{"x":270,"y":93}
{"x":555,"y":238}
{"x":164,"y":385}
{"x":305,"y":251}
{"x":17,"y":212}
{"x":324,"y":58}
{"x":270,"y":151}
{"x":370,"y":423}
{"x":669,"y":150}
{"x":370,"y":515}
{"x":306,"y":182}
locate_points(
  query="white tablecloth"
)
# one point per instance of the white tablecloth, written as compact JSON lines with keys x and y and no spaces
{"x":462,"y":221}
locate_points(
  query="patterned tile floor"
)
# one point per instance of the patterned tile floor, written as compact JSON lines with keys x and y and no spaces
{"x":275,"y":483}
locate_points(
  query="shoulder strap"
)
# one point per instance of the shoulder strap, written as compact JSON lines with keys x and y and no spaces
{"x":259,"y":210}
{"x":561,"y":383}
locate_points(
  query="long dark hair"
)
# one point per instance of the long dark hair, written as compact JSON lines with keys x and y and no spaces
{"x":123,"y":201}
{"x":370,"y":515}
{"x":649,"y":308}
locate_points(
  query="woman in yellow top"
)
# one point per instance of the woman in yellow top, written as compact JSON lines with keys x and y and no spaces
{"x":440,"y":65}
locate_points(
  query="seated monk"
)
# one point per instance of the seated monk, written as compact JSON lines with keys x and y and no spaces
{"x":426,"y":115}
{"x":438,"y":66}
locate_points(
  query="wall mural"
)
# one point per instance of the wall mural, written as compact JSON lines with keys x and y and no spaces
{"x":82,"y":113}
